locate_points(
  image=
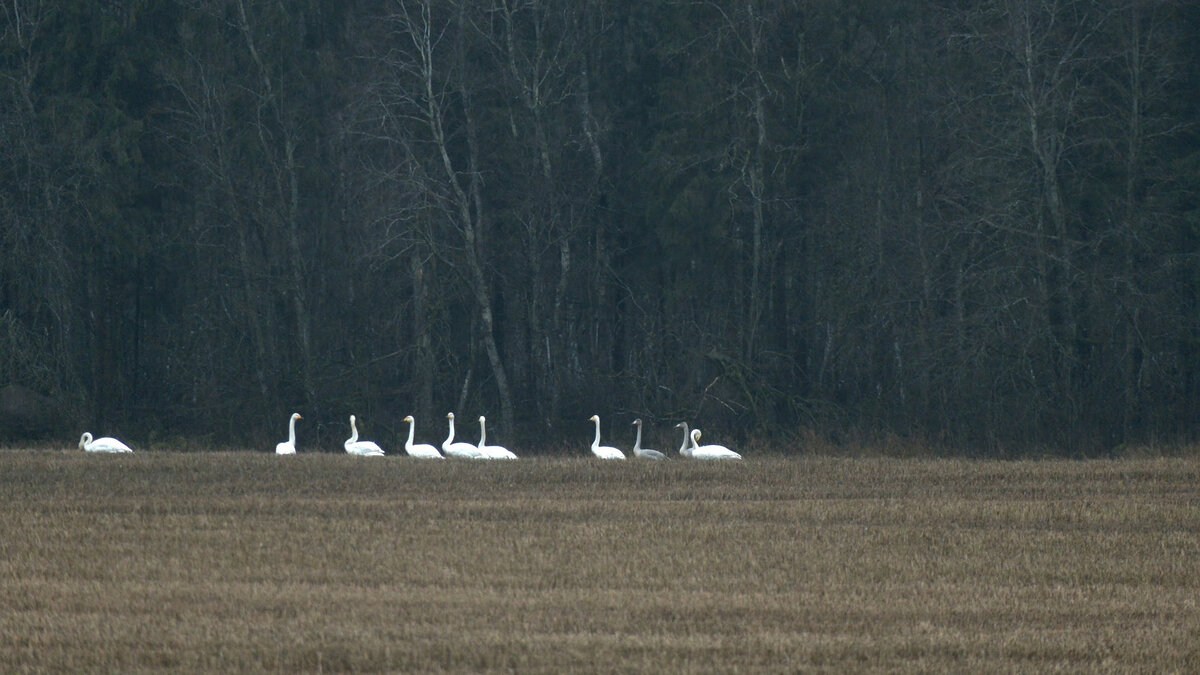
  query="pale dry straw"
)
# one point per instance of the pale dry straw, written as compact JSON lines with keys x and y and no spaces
{"x":241,"y":562}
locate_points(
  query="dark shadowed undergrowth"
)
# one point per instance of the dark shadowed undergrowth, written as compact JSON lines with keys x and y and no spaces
{"x":252,"y":562}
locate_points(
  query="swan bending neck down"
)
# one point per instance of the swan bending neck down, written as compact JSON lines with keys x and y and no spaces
{"x":288,"y":447}
{"x":491,"y":451}
{"x":459,"y":450}
{"x":362,"y":448}
{"x":710,"y":451}
{"x":638,"y":450}
{"x":684,"y":449}
{"x":102,"y":444}
{"x":423,"y":450}
{"x":603,"y":451}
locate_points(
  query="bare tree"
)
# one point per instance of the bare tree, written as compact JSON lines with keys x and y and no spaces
{"x":277,"y":126}
{"x":429,"y":91}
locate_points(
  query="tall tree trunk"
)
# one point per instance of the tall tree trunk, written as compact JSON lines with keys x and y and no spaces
{"x":472,"y":220}
{"x":467,"y":202}
{"x":1048,"y":106}
{"x":757,"y":169}
{"x":287,"y":186}
{"x":424,"y":364}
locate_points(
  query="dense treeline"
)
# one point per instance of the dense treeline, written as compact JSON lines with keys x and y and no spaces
{"x":972,"y":224}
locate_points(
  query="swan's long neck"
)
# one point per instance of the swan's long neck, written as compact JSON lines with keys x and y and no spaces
{"x":353,"y":432}
{"x":292,"y":431}
{"x":686,"y":437}
{"x":84,"y":440}
{"x":695,"y":436}
{"x":450,"y":438}
{"x":482,"y":432}
{"x":637,"y":442}
{"x":412,"y":430}
{"x":596,"y":443}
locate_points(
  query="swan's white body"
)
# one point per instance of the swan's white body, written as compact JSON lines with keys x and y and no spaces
{"x":423,"y":450}
{"x":361,"y":448}
{"x":685,"y":449}
{"x":603,"y":451}
{"x":639,"y":451}
{"x":461,"y":449}
{"x":102,"y":444}
{"x":710,"y":451}
{"x":491,"y":451}
{"x":288,"y":447}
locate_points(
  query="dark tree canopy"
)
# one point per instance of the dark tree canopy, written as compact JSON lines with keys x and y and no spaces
{"x":973,"y":225}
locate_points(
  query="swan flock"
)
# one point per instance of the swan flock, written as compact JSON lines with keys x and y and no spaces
{"x":690,"y":449}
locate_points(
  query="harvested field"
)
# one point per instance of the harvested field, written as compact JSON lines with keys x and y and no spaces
{"x":253,"y":562}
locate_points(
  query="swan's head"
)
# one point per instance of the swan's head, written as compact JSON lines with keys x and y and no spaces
{"x":637,"y":423}
{"x":409,"y":419}
{"x":449,"y":416}
{"x":297,"y":416}
{"x":352,"y":419}
{"x":482,"y":419}
{"x":696,"y":435}
{"x":681,"y":425}
{"x":594,"y":418}
{"x":85,"y":439}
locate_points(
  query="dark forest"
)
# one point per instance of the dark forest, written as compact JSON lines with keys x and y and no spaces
{"x":972,"y":226}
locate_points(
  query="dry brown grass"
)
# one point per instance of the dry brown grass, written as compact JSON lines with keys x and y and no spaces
{"x":250,"y":562}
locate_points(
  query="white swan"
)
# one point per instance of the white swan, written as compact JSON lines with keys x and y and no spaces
{"x":363,"y":448}
{"x":603,"y":451}
{"x":491,"y":451}
{"x":710,"y":451}
{"x":423,"y":450}
{"x":288,"y":447}
{"x":102,"y":444}
{"x":684,"y":449}
{"x":459,"y":450}
{"x":639,"y":451}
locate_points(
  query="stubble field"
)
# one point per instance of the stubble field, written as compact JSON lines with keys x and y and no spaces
{"x":252,"y":562}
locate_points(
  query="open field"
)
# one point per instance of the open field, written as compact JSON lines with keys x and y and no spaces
{"x":252,"y":562}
